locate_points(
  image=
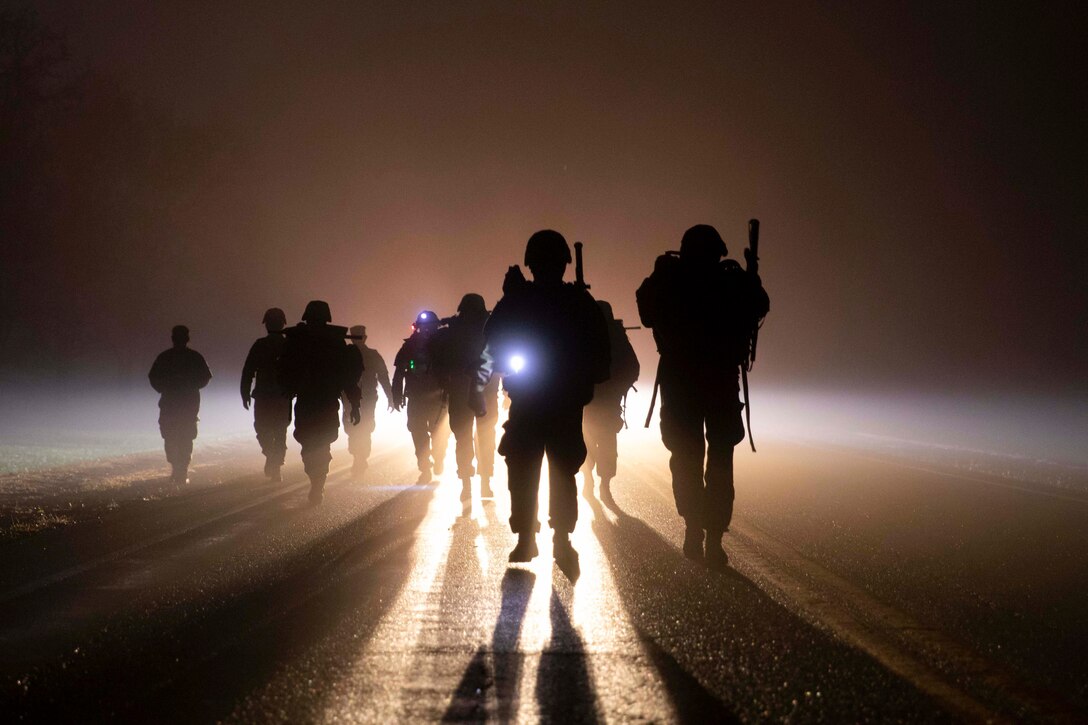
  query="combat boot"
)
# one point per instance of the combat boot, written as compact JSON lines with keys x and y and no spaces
{"x":525,"y":550}
{"x":606,"y":492}
{"x":274,"y":474}
{"x":180,"y":475}
{"x":693,"y":542}
{"x":317,"y":490}
{"x":438,"y":466}
{"x":716,"y":558}
{"x":566,"y":558}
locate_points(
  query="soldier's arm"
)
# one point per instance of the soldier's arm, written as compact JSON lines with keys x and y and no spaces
{"x":157,"y":376}
{"x":382,"y":373}
{"x":249,"y":371}
{"x":203,"y":373}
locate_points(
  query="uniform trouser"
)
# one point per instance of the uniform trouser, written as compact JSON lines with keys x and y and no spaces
{"x":360,"y":436}
{"x":474,"y":437}
{"x":428,"y":421}
{"x":530,"y":434}
{"x":695,"y":406}
{"x":317,"y":425}
{"x":178,"y":429}
{"x":271,"y":416}
{"x":601,"y":423}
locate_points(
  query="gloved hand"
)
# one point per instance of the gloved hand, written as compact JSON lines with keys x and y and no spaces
{"x":245,"y":401}
{"x":513,"y":281}
{"x":355,"y":417}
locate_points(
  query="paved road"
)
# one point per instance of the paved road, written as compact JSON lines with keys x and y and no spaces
{"x":862,"y":588}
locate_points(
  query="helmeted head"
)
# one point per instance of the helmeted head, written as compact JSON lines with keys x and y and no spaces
{"x":472,"y":305}
{"x":547,"y":255}
{"x":179,"y":335}
{"x":702,"y":244}
{"x":317,"y":312}
{"x":426,"y":322}
{"x":606,"y":310}
{"x":358,"y":331}
{"x":274,"y":319}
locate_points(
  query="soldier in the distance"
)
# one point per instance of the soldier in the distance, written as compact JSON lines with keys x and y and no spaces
{"x":177,"y":375}
{"x":271,"y":407}
{"x":603,"y":418}
{"x":318,"y":367}
{"x":375,"y":373}
{"x":703,"y":310}
{"x":414,"y":378}
{"x":549,"y":340}
{"x":458,"y":348}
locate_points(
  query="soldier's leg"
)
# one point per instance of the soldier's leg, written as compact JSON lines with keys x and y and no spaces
{"x":590,"y":439}
{"x":566,"y":451}
{"x":440,"y":435}
{"x":522,"y":446}
{"x":419,"y":427}
{"x":461,"y":425}
{"x":724,"y":430}
{"x":682,"y":434}
{"x":364,"y":435}
{"x":316,"y":427}
{"x":282,"y":419}
{"x":485,"y":436}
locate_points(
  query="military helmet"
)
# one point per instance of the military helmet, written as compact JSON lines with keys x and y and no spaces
{"x":358,"y":330}
{"x":702,"y":241}
{"x":546,"y":246}
{"x":317,"y":311}
{"x":472,"y":304}
{"x":274,"y":316}
{"x":427,"y":317}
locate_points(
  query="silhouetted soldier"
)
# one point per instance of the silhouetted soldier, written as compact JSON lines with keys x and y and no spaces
{"x":177,"y":375}
{"x":458,"y":349}
{"x":549,"y":340}
{"x":374,"y":373}
{"x":603,"y":417}
{"x":316,"y":368}
{"x":271,"y":407}
{"x":703,"y":310}
{"x":414,"y":378}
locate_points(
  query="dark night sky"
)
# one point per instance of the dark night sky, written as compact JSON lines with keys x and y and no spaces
{"x":919,"y":170}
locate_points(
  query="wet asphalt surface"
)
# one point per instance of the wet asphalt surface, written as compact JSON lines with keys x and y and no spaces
{"x":861,"y":589}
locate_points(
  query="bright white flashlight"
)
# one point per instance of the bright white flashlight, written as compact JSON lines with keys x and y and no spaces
{"x":517,"y":363}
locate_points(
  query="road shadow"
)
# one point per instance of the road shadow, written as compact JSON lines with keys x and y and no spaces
{"x":503,"y":673}
{"x":564,"y":685}
{"x":195,"y":661}
{"x":631,"y":546}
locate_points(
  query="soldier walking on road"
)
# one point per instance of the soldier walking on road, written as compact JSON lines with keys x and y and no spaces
{"x":414,"y":378}
{"x":316,"y":368}
{"x":550,"y":342}
{"x":458,"y":350}
{"x":177,"y":375}
{"x":374,"y":373}
{"x":603,"y":418}
{"x":703,"y":311}
{"x":271,"y":407}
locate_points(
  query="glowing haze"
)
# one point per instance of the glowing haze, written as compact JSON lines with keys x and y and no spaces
{"x":919,"y":173}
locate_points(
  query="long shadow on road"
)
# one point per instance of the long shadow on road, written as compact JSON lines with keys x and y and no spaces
{"x":197,"y":661}
{"x":725,"y":651}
